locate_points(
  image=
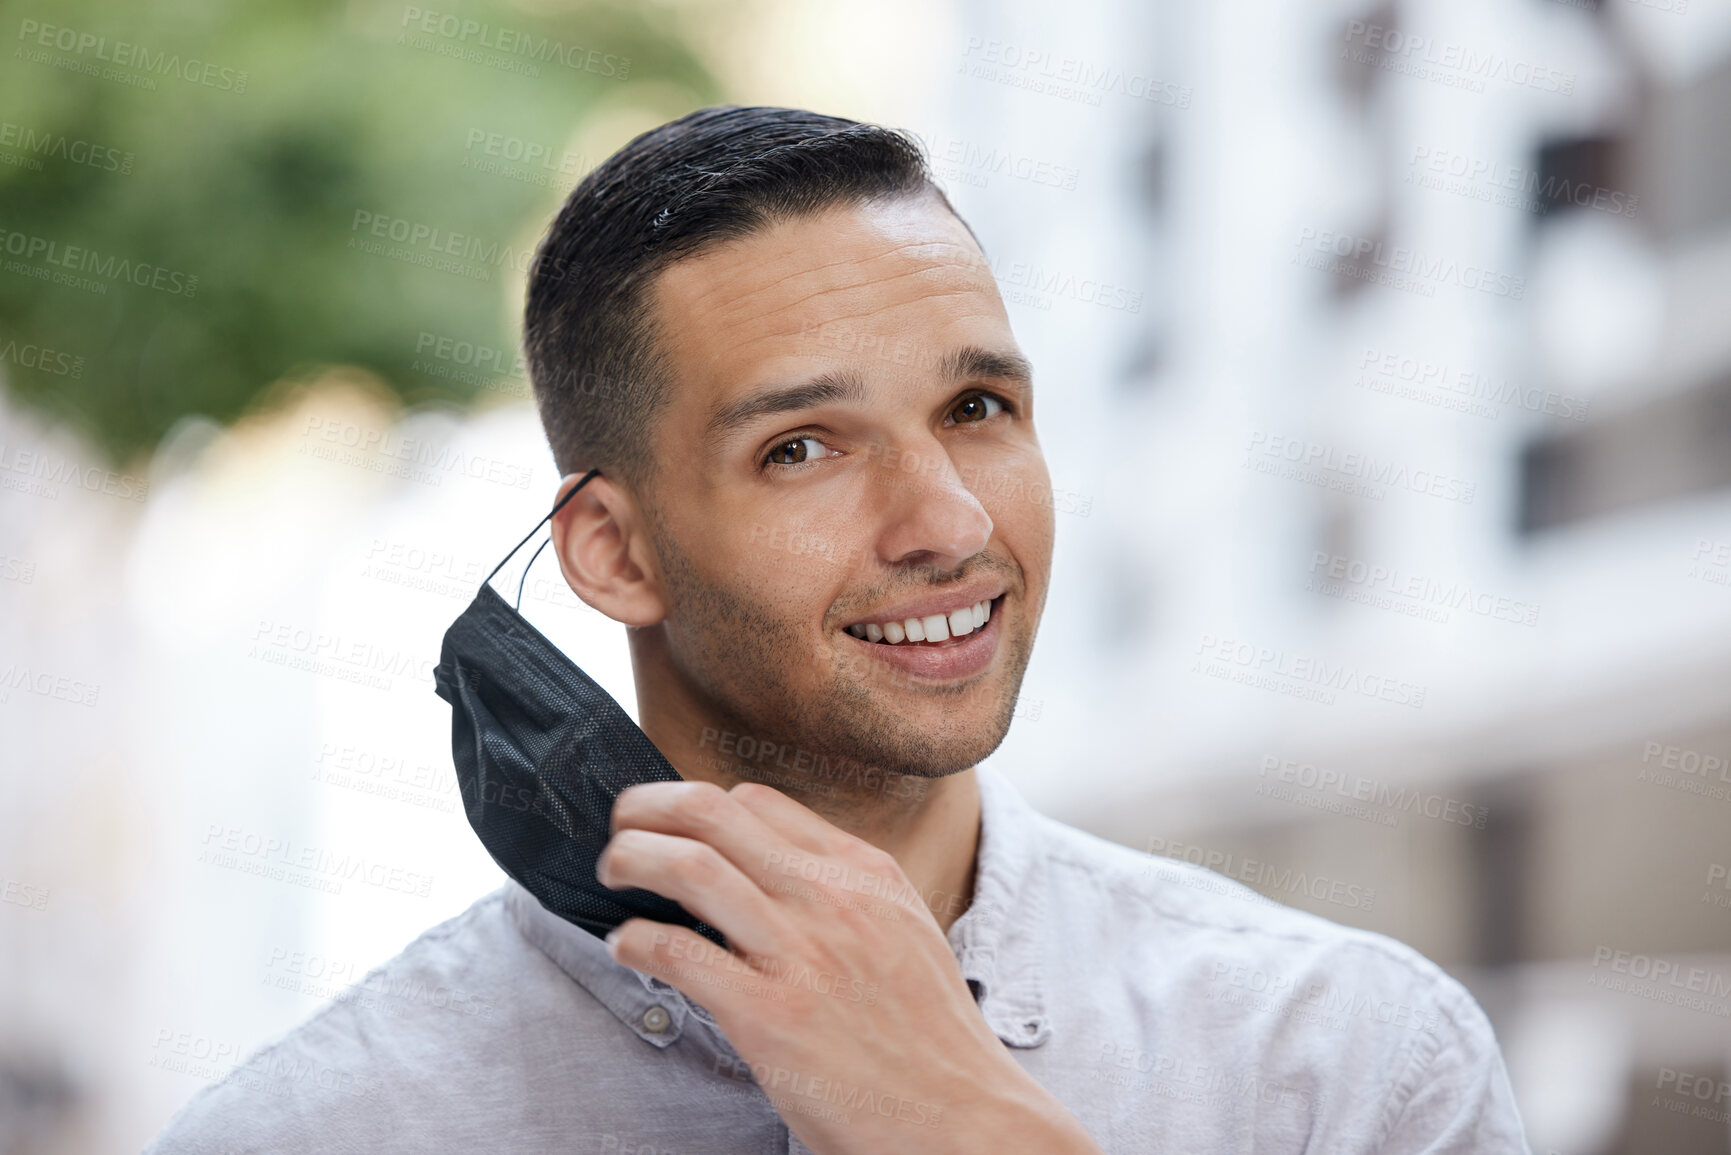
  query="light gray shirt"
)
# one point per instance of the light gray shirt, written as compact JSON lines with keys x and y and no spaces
{"x":1167,"y":1007}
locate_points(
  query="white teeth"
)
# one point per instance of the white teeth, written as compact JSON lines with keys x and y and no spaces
{"x":931,"y":628}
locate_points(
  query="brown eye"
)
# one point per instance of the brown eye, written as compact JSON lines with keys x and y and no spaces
{"x":794,"y":450}
{"x":976,"y":408}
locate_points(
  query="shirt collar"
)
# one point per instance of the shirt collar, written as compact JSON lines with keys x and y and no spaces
{"x":996,"y":940}
{"x":631,"y":995}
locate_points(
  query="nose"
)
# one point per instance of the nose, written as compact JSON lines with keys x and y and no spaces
{"x":932,"y":517}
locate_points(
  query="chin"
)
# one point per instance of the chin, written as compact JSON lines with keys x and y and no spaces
{"x":919,"y":752}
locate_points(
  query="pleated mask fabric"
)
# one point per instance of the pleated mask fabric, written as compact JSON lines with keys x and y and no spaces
{"x":542,"y":752}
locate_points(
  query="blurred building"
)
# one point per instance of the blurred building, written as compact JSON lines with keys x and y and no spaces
{"x":1402,"y":592}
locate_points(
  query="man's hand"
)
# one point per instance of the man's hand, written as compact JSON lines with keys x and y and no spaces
{"x":840,"y":990}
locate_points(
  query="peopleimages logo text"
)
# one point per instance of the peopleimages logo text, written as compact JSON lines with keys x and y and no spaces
{"x":514,"y":42}
{"x":125,"y":54}
{"x":1403,"y":267}
{"x":82,"y":259}
{"x":1395,"y":49}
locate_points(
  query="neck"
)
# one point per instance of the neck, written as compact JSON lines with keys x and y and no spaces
{"x":931,"y":826}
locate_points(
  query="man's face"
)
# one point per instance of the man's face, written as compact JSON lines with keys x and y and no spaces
{"x":849,"y":442}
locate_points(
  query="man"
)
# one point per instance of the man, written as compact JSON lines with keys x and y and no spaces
{"x":818,"y":515}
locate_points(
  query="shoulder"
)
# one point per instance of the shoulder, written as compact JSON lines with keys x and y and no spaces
{"x":1175,"y":902}
{"x":1292,"y":992}
{"x":1207,"y":930}
{"x":353,"y":1070}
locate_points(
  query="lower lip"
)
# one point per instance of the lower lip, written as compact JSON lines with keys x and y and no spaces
{"x":946,"y":661}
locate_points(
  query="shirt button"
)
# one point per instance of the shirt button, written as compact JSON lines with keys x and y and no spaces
{"x":656,"y":1020}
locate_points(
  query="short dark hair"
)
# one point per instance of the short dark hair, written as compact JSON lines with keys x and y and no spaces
{"x":713,"y":175}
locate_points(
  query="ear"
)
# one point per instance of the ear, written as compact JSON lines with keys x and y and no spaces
{"x":601,"y":539}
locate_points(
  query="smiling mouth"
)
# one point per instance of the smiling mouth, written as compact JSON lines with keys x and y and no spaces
{"x":930,"y":630}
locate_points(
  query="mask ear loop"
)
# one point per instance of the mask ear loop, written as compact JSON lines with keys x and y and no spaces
{"x":560,"y":504}
{"x":524,"y":576}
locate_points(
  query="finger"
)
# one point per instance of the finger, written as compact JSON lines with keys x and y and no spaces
{"x":712,"y":977}
{"x":793,"y":821}
{"x":701,"y":811}
{"x":829,"y":866}
{"x":806,"y":861}
{"x":696,"y":876}
{"x":859,"y":861}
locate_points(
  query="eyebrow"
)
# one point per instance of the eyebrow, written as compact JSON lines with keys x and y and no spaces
{"x":970,"y":361}
{"x":823,"y":390}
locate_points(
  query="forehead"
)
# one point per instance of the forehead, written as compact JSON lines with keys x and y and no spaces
{"x":789,"y":300}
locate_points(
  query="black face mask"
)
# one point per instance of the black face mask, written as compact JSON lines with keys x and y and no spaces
{"x":541,"y":754}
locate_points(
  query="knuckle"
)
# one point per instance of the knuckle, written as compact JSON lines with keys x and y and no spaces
{"x":623,"y":845}
{"x":879,"y":861}
{"x":633,"y":797}
{"x":703,"y":803}
{"x":751,"y":792}
{"x":696,"y":862}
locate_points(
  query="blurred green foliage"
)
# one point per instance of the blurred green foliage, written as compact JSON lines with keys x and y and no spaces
{"x":240,"y":142}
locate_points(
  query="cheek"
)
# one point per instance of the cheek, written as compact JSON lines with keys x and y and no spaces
{"x":1017,"y":495}
{"x":791,"y":567}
